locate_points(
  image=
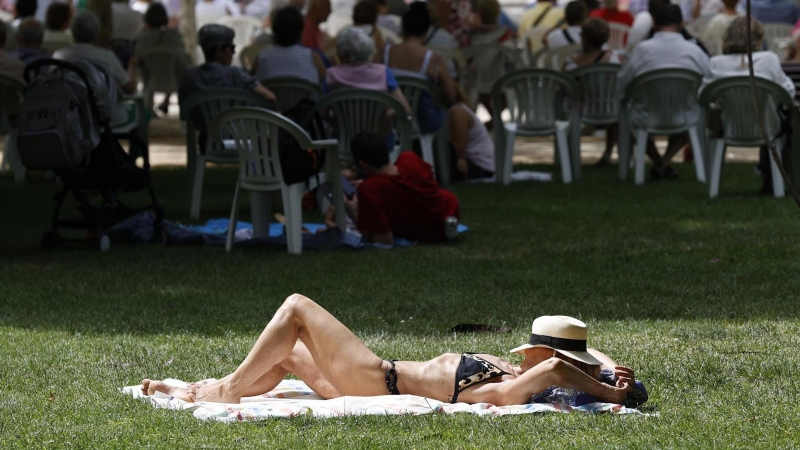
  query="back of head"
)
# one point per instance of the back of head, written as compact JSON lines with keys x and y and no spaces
{"x":156,"y":16}
{"x":354,"y":46}
{"x":730,"y":4}
{"x":30,"y":33}
{"x":213,"y":36}
{"x":575,"y":13}
{"x":287,"y":26}
{"x":668,"y":16}
{"x":488,"y":11}
{"x":26,"y":8}
{"x":365,"y":13}
{"x":85,"y":27}
{"x":417,"y":20}
{"x":370,"y":148}
{"x":594,"y":33}
{"x":653,"y":5}
{"x":58,"y":16}
{"x":735,"y":41}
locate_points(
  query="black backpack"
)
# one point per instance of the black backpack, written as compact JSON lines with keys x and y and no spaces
{"x":299,"y":164}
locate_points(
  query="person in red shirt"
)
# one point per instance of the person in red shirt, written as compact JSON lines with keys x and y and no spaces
{"x":397,"y":200}
{"x":313,"y":37}
{"x":610,"y":13}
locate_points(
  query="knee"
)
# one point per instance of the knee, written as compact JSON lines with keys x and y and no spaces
{"x":295,"y":303}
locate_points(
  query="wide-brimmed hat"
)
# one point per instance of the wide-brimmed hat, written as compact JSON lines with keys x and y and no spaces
{"x":564,"y":334}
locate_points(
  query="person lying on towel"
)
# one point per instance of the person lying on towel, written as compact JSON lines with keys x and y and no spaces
{"x":306,"y":340}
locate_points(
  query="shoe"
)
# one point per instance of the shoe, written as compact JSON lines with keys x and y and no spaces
{"x":670,"y":174}
{"x":655,"y":174}
{"x":450,"y":228}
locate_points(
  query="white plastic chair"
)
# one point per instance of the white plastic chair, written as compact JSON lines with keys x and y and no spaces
{"x":733,"y":98}
{"x":668,"y":102}
{"x":358,"y":110}
{"x":532,"y":43}
{"x":254,"y":133}
{"x":599,"y":96}
{"x":775,"y":36}
{"x":618,"y":36}
{"x":554,"y":58}
{"x":413,"y":88}
{"x":162,"y":68}
{"x":10,"y":89}
{"x":487,"y":64}
{"x":246,"y":29}
{"x":289,"y":91}
{"x":535,"y":99}
{"x":207,"y":104}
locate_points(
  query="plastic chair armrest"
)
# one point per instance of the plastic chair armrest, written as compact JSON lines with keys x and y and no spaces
{"x":325,"y":143}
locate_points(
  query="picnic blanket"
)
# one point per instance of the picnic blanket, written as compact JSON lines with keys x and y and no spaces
{"x":292,"y":398}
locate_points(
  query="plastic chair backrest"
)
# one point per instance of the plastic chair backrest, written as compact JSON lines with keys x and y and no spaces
{"x":413,"y":88}
{"x":211,"y":102}
{"x":160,"y":68}
{"x":555,"y":58}
{"x":773,"y":31}
{"x":254,"y":132}
{"x":599,"y":96}
{"x":733,"y":96}
{"x":288,"y":91}
{"x":618,"y":36}
{"x":245,"y":28}
{"x":359,"y":110}
{"x":453,"y":56}
{"x":667,"y":95}
{"x":532,"y":40}
{"x":535,"y":97}
{"x":8,"y":87}
{"x":249,"y":55}
{"x":489,"y":63}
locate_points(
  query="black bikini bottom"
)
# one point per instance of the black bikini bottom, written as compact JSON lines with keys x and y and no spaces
{"x":391,"y":379}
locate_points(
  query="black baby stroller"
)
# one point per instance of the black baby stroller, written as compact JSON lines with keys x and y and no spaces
{"x":64,"y":128}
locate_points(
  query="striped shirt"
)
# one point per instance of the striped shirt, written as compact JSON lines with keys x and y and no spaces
{"x":295,"y":61}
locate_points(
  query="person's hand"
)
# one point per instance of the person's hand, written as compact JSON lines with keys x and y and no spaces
{"x":351,"y":203}
{"x":271,"y":96}
{"x":625,"y":377}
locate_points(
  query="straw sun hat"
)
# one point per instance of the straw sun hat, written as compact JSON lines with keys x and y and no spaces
{"x":563,"y":334}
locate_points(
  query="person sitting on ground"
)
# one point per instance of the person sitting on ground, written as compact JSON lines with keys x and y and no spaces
{"x":571,"y":35}
{"x":545,"y":14}
{"x":733,"y":63}
{"x":365,"y":18}
{"x":127,"y":24}
{"x":718,"y":24}
{"x":313,"y":37}
{"x":471,"y":143}
{"x":304,"y":339}
{"x":610,"y":13}
{"x":390,"y":22}
{"x":156,"y":34}
{"x":30,"y":34}
{"x":667,"y":49}
{"x":57,"y":34}
{"x":85,"y":29}
{"x":287,"y":58}
{"x":412,"y":59}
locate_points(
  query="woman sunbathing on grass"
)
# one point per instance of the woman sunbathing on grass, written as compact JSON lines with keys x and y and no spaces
{"x":333,"y":362}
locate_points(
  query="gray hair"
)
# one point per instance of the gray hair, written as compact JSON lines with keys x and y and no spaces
{"x":354,"y":46}
{"x":85,"y":27}
{"x":30,"y":32}
{"x":736,"y":41}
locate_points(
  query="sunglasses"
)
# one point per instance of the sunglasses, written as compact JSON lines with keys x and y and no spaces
{"x":231,"y":47}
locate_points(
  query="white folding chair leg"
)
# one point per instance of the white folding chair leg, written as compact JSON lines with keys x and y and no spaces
{"x":507,"y":158}
{"x":293,"y":212}
{"x":777,"y":179}
{"x":234,"y":219}
{"x":14,"y":161}
{"x":426,"y":143}
{"x":562,"y":143}
{"x":697,"y":151}
{"x":197,"y":186}
{"x":717,"y":149}
{"x":641,"y":149}
{"x":624,"y":146}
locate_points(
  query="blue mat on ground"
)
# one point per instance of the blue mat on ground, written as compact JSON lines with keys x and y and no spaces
{"x":139,"y":229}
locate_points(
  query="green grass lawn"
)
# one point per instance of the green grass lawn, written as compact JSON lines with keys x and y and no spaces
{"x":700,"y":297}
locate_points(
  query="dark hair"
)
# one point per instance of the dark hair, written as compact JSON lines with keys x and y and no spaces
{"x":417,"y":20}
{"x":30,"y":32}
{"x":156,"y":16}
{"x":287,"y":26}
{"x":3,"y":32}
{"x":595,"y":32}
{"x":653,"y":5}
{"x":365,"y":13}
{"x":575,"y":13}
{"x":488,"y":11}
{"x":667,"y":15}
{"x":381,"y":2}
{"x":211,"y":37}
{"x":730,"y":3}
{"x":58,"y":16}
{"x":370,"y":148}
{"x":26,"y":8}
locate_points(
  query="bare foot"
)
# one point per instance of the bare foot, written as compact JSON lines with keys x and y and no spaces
{"x":150,"y":387}
{"x":214,"y":392}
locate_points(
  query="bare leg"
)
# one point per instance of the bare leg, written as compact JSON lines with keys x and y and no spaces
{"x":675,"y":143}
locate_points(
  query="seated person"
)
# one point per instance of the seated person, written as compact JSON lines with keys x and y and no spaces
{"x":397,"y":200}
{"x":473,"y":147}
{"x":412,"y":59}
{"x":438,"y":38}
{"x":488,"y":30}
{"x":733,"y":63}
{"x":313,"y":37}
{"x":365,"y":18}
{"x":287,"y":58}
{"x":667,"y":49}
{"x":126,"y":25}
{"x":85,"y":29}
{"x":56,"y":34}
{"x":30,"y":34}
{"x":387,"y":21}
{"x":156,"y":34}
{"x":571,"y":35}
{"x":304,"y":339}
{"x":718,"y":24}
{"x":610,"y":13}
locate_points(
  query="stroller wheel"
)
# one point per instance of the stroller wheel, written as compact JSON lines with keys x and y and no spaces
{"x":102,"y":242}
{"x":49,"y":240}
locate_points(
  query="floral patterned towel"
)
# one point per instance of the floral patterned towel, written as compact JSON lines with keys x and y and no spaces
{"x":294,"y":398}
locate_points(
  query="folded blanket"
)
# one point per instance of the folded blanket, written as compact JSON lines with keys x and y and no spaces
{"x":294,"y":398}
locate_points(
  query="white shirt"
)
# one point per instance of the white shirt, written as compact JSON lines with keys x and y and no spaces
{"x":260,"y":9}
{"x":642,"y":24}
{"x":558,"y":38}
{"x":766,"y":65}
{"x":715,"y":31}
{"x":101,"y":57}
{"x":127,"y":23}
{"x":209,"y":12}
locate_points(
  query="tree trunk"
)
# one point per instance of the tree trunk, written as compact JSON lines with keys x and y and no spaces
{"x":188,"y":29}
{"x":102,"y":8}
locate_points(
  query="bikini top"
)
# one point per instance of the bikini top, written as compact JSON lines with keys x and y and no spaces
{"x":474,"y":370}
